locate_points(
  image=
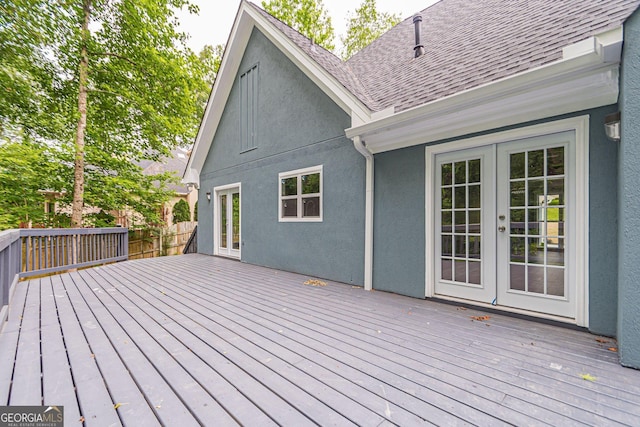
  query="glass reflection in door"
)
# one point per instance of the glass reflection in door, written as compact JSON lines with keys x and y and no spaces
{"x":537,"y":213}
{"x":223,"y":221}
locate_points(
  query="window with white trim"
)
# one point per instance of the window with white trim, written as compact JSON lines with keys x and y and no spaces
{"x":300,"y":195}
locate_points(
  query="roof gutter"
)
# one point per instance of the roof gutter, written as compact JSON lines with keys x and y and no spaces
{"x":368,"y":217}
{"x":586,"y":77}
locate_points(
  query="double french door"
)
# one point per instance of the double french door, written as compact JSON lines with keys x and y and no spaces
{"x":505,"y":224}
{"x":227,"y":221}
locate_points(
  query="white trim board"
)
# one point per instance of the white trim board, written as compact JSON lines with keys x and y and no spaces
{"x":580,"y":125}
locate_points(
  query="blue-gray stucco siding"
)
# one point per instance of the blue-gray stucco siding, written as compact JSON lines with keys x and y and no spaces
{"x":629,"y":199}
{"x":298,"y":127}
{"x":399,"y":224}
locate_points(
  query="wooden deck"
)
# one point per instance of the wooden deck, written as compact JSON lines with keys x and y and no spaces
{"x":192,"y":339}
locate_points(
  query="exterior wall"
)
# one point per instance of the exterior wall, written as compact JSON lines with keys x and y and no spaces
{"x":629,"y":199}
{"x":298,"y":126}
{"x":603,"y":226}
{"x":399,"y":224}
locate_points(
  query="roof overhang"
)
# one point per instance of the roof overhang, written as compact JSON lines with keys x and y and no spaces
{"x":586,"y":77}
{"x":248,"y":18}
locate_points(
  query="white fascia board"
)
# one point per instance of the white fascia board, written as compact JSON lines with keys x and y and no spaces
{"x":246,"y":19}
{"x":587,"y":78}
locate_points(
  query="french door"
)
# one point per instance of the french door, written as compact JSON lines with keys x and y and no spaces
{"x":505,"y":224}
{"x":227,"y":221}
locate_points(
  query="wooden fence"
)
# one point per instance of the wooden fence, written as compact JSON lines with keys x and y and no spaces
{"x":149,"y":243}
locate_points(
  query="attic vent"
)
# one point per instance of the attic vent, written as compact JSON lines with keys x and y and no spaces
{"x":419,"y":48}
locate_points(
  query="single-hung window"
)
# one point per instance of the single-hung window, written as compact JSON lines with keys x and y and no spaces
{"x":300,"y":195}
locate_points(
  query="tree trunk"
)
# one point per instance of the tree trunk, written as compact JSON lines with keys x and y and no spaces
{"x":78,"y":179}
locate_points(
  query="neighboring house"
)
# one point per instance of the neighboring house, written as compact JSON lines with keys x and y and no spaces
{"x":494,"y":182}
{"x":176,"y":165}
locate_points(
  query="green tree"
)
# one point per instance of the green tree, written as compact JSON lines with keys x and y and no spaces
{"x":367,"y":25}
{"x":308,"y":17}
{"x":181,"y":211}
{"x":25,"y":169}
{"x":110,"y":83}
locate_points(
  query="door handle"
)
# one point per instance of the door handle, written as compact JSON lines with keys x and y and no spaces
{"x":502,"y":228}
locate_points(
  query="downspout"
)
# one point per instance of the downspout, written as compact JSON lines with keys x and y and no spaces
{"x":368,"y":218}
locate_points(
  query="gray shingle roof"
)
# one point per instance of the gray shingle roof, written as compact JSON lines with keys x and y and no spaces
{"x":467,"y":44}
{"x":470,"y":43}
{"x":175,"y":164}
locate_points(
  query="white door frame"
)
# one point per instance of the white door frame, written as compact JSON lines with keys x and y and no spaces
{"x":216,"y":220}
{"x":580,"y":125}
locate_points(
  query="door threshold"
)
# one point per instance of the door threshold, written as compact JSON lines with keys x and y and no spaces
{"x":511,"y":311}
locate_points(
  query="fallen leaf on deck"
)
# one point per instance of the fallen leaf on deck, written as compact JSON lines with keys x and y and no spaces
{"x":615,"y":350}
{"x":481,"y":318}
{"x":602,"y":340}
{"x":588,"y":377}
{"x":314,"y":282}
{"x":93,"y":356}
{"x":117,"y":405}
{"x":81,"y":419}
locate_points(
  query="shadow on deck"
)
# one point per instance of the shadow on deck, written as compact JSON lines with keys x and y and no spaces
{"x":193,"y":339}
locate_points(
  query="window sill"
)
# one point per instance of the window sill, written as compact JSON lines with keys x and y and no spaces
{"x":300,"y":219}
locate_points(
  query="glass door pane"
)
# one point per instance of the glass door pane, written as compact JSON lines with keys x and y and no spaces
{"x":223,"y":221}
{"x":536,"y":221}
{"x":460,"y":225}
{"x":236,"y":221}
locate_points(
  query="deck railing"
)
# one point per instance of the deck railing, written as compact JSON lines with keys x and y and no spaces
{"x":30,"y":252}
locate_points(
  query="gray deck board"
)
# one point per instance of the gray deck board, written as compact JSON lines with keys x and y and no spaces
{"x":27,"y":382}
{"x":10,"y":333}
{"x":281,"y":360}
{"x":201,"y":340}
{"x":95,"y":402}
{"x":275,"y":373}
{"x":168,"y":406}
{"x":444,"y":390}
{"x":285,"y":327}
{"x":57,"y":379}
{"x":96,"y":355}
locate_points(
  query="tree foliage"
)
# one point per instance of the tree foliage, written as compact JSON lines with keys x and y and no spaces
{"x":367,"y":25}
{"x":308,"y":17}
{"x":144,"y":92}
{"x":181,"y":211}
{"x":25,"y":170}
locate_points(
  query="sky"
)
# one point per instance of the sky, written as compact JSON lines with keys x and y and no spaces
{"x":213,"y":25}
